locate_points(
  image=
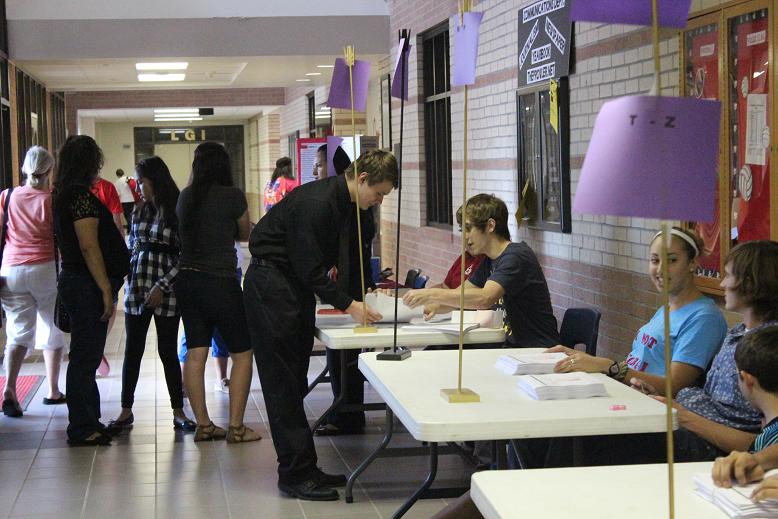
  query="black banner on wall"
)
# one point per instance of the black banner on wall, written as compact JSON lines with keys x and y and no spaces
{"x":545,"y":41}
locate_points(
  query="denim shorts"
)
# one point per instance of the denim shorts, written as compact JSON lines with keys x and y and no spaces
{"x":208,"y":302}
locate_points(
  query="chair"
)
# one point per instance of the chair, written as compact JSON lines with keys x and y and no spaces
{"x":421,"y":281}
{"x":580,"y":326}
{"x":410,"y":278}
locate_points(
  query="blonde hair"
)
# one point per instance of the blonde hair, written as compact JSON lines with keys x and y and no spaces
{"x":380,"y":166}
{"x":37,"y":161}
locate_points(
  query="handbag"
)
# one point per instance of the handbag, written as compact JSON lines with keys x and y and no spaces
{"x":61,"y":316}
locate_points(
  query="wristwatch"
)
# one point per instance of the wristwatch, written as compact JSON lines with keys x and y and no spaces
{"x":613,"y":369}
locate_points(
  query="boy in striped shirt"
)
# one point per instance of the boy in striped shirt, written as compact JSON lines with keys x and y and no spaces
{"x":757,"y":362}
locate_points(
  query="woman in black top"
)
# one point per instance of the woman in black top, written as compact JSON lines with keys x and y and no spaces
{"x":212,"y":214}
{"x":94,"y":262}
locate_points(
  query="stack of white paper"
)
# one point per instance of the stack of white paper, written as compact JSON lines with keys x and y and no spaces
{"x":385,"y":306}
{"x":735,"y":501}
{"x":561,"y":386}
{"x":529,"y":363}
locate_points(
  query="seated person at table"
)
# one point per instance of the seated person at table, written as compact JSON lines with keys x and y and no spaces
{"x":756,"y":360}
{"x":697,"y":327}
{"x":509,"y":277}
{"x":454,"y":274}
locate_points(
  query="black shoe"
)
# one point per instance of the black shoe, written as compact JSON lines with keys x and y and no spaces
{"x":11,"y":408}
{"x":55,"y":401}
{"x":185,"y":424}
{"x":97,"y":438}
{"x":329,"y":429}
{"x":329,"y":480}
{"x":114,"y":427}
{"x":309,"y":490}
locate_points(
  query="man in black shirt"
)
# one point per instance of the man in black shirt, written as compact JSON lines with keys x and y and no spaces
{"x":510,"y":277}
{"x":292,"y":248}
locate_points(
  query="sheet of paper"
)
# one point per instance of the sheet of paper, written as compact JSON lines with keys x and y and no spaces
{"x":756,"y":129}
{"x":332,"y":144}
{"x":672,"y":13}
{"x":400,"y":77}
{"x":340,"y":90}
{"x":465,"y":48}
{"x":652,"y":157}
{"x":385,"y":306}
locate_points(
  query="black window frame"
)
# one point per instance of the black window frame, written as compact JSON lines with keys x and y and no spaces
{"x":436,"y":95}
{"x":531,"y":203}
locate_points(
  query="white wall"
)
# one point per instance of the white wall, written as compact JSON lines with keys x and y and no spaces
{"x":116,"y":141}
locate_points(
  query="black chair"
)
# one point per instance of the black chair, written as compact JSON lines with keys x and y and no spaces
{"x":421,"y":281}
{"x":580,"y":326}
{"x":410,"y":278}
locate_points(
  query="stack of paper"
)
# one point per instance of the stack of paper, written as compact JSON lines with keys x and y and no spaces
{"x":450,"y":328}
{"x":529,"y":363}
{"x":561,"y":386}
{"x":384,"y":305}
{"x":735,"y":501}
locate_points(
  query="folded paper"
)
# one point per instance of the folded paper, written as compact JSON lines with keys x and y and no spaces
{"x":332,"y":145}
{"x":400,"y":78}
{"x":652,"y":157}
{"x":672,"y":13}
{"x":340,"y":90}
{"x":465,"y":47}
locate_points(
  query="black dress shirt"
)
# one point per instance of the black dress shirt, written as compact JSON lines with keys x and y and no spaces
{"x":300,"y":236}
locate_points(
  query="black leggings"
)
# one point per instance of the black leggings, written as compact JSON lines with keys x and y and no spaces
{"x":136,"y":327}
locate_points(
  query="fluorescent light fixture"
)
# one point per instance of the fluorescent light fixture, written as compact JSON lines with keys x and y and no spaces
{"x":325,"y":66}
{"x":161,"y":77}
{"x":313,"y":73}
{"x":302,"y":80}
{"x":170,"y":119}
{"x":323,"y":114}
{"x":176,"y":110}
{"x":179,"y":65}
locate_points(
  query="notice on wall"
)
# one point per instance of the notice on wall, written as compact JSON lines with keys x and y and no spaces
{"x":544,"y":41}
{"x":306,"y":158}
{"x":756,"y":130}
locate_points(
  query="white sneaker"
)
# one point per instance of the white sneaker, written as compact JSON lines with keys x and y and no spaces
{"x":223,"y":385}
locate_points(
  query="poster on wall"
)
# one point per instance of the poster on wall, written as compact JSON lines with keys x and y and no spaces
{"x":306,"y":158}
{"x":545,"y":32}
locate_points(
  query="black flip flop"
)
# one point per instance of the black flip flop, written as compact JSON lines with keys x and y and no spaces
{"x":55,"y":401}
{"x":12,"y":409}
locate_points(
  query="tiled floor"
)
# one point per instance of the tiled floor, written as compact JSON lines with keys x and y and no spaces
{"x":155,"y":472}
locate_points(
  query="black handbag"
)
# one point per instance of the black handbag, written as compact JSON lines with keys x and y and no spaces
{"x":61,"y":316}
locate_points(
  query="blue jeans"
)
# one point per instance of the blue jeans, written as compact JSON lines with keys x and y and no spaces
{"x":84,"y":303}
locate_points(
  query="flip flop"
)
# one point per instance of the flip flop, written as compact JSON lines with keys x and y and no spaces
{"x":55,"y":401}
{"x":12,"y":409}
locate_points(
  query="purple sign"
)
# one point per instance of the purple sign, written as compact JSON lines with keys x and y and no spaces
{"x":652,"y":157}
{"x":332,"y":145}
{"x":340,"y":91}
{"x":400,"y":78}
{"x":672,"y":13}
{"x":465,"y":48}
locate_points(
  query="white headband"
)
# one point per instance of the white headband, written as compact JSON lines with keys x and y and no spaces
{"x":685,"y":237}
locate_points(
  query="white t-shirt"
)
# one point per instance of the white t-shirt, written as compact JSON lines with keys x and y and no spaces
{"x":125,"y":193}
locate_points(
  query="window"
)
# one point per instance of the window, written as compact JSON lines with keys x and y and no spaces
{"x":437,"y":125}
{"x":725,"y":56}
{"x":544,"y":164}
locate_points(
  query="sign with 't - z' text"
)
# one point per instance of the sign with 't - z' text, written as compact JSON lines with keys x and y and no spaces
{"x":545,"y":30}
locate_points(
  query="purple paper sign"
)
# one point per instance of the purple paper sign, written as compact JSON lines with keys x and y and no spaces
{"x":672,"y":13}
{"x":465,"y":48}
{"x":400,"y":78}
{"x":652,"y":157}
{"x":332,"y":145}
{"x":340,"y":92}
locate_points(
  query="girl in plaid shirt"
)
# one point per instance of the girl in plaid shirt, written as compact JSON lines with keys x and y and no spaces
{"x":155,"y":246}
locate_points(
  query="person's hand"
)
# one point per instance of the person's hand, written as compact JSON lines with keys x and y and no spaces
{"x":107,"y":305}
{"x":154,"y":299}
{"x":643,"y":386}
{"x":767,"y":489}
{"x":430,"y":311}
{"x":367,"y":316}
{"x":580,"y":361}
{"x":743,"y":467}
{"x":385,"y":291}
{"x":414,"y":298}
{"x":559,"y":349}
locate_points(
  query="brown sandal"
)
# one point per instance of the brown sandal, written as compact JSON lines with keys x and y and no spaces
{"x":242,"y":434}
{"x":209,"y":432}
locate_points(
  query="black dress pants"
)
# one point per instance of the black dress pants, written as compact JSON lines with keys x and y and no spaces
{"x":136,"y":327}
{"x":281,"y":317}
{"x":355,"y":389}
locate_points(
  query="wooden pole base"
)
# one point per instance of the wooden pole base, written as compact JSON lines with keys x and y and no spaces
{"x":365,"y":329}
{"x":457,"y":396}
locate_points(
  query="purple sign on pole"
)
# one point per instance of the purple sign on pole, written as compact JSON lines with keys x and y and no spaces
{"x":332,"y":145}
{"x":465,"y":48}
{"x":652,"y":157}
{"x":340,"y":91}
{"x":672,"y":13}
{"x":400,"y":78}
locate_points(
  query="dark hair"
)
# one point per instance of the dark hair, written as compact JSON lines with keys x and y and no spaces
{"x":340,"y":160}
{"x":283,"y":169}
{"x":380,"y":166}
{"x":211,"y":165}
{"x":120,"y":172}
{"x":691,"y":254}
{"x":481,"y":208}
{"x":78,"y":162}
{"x":757,"y":355}
{"x":165,"y":190}
{"x":754,"y":265}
